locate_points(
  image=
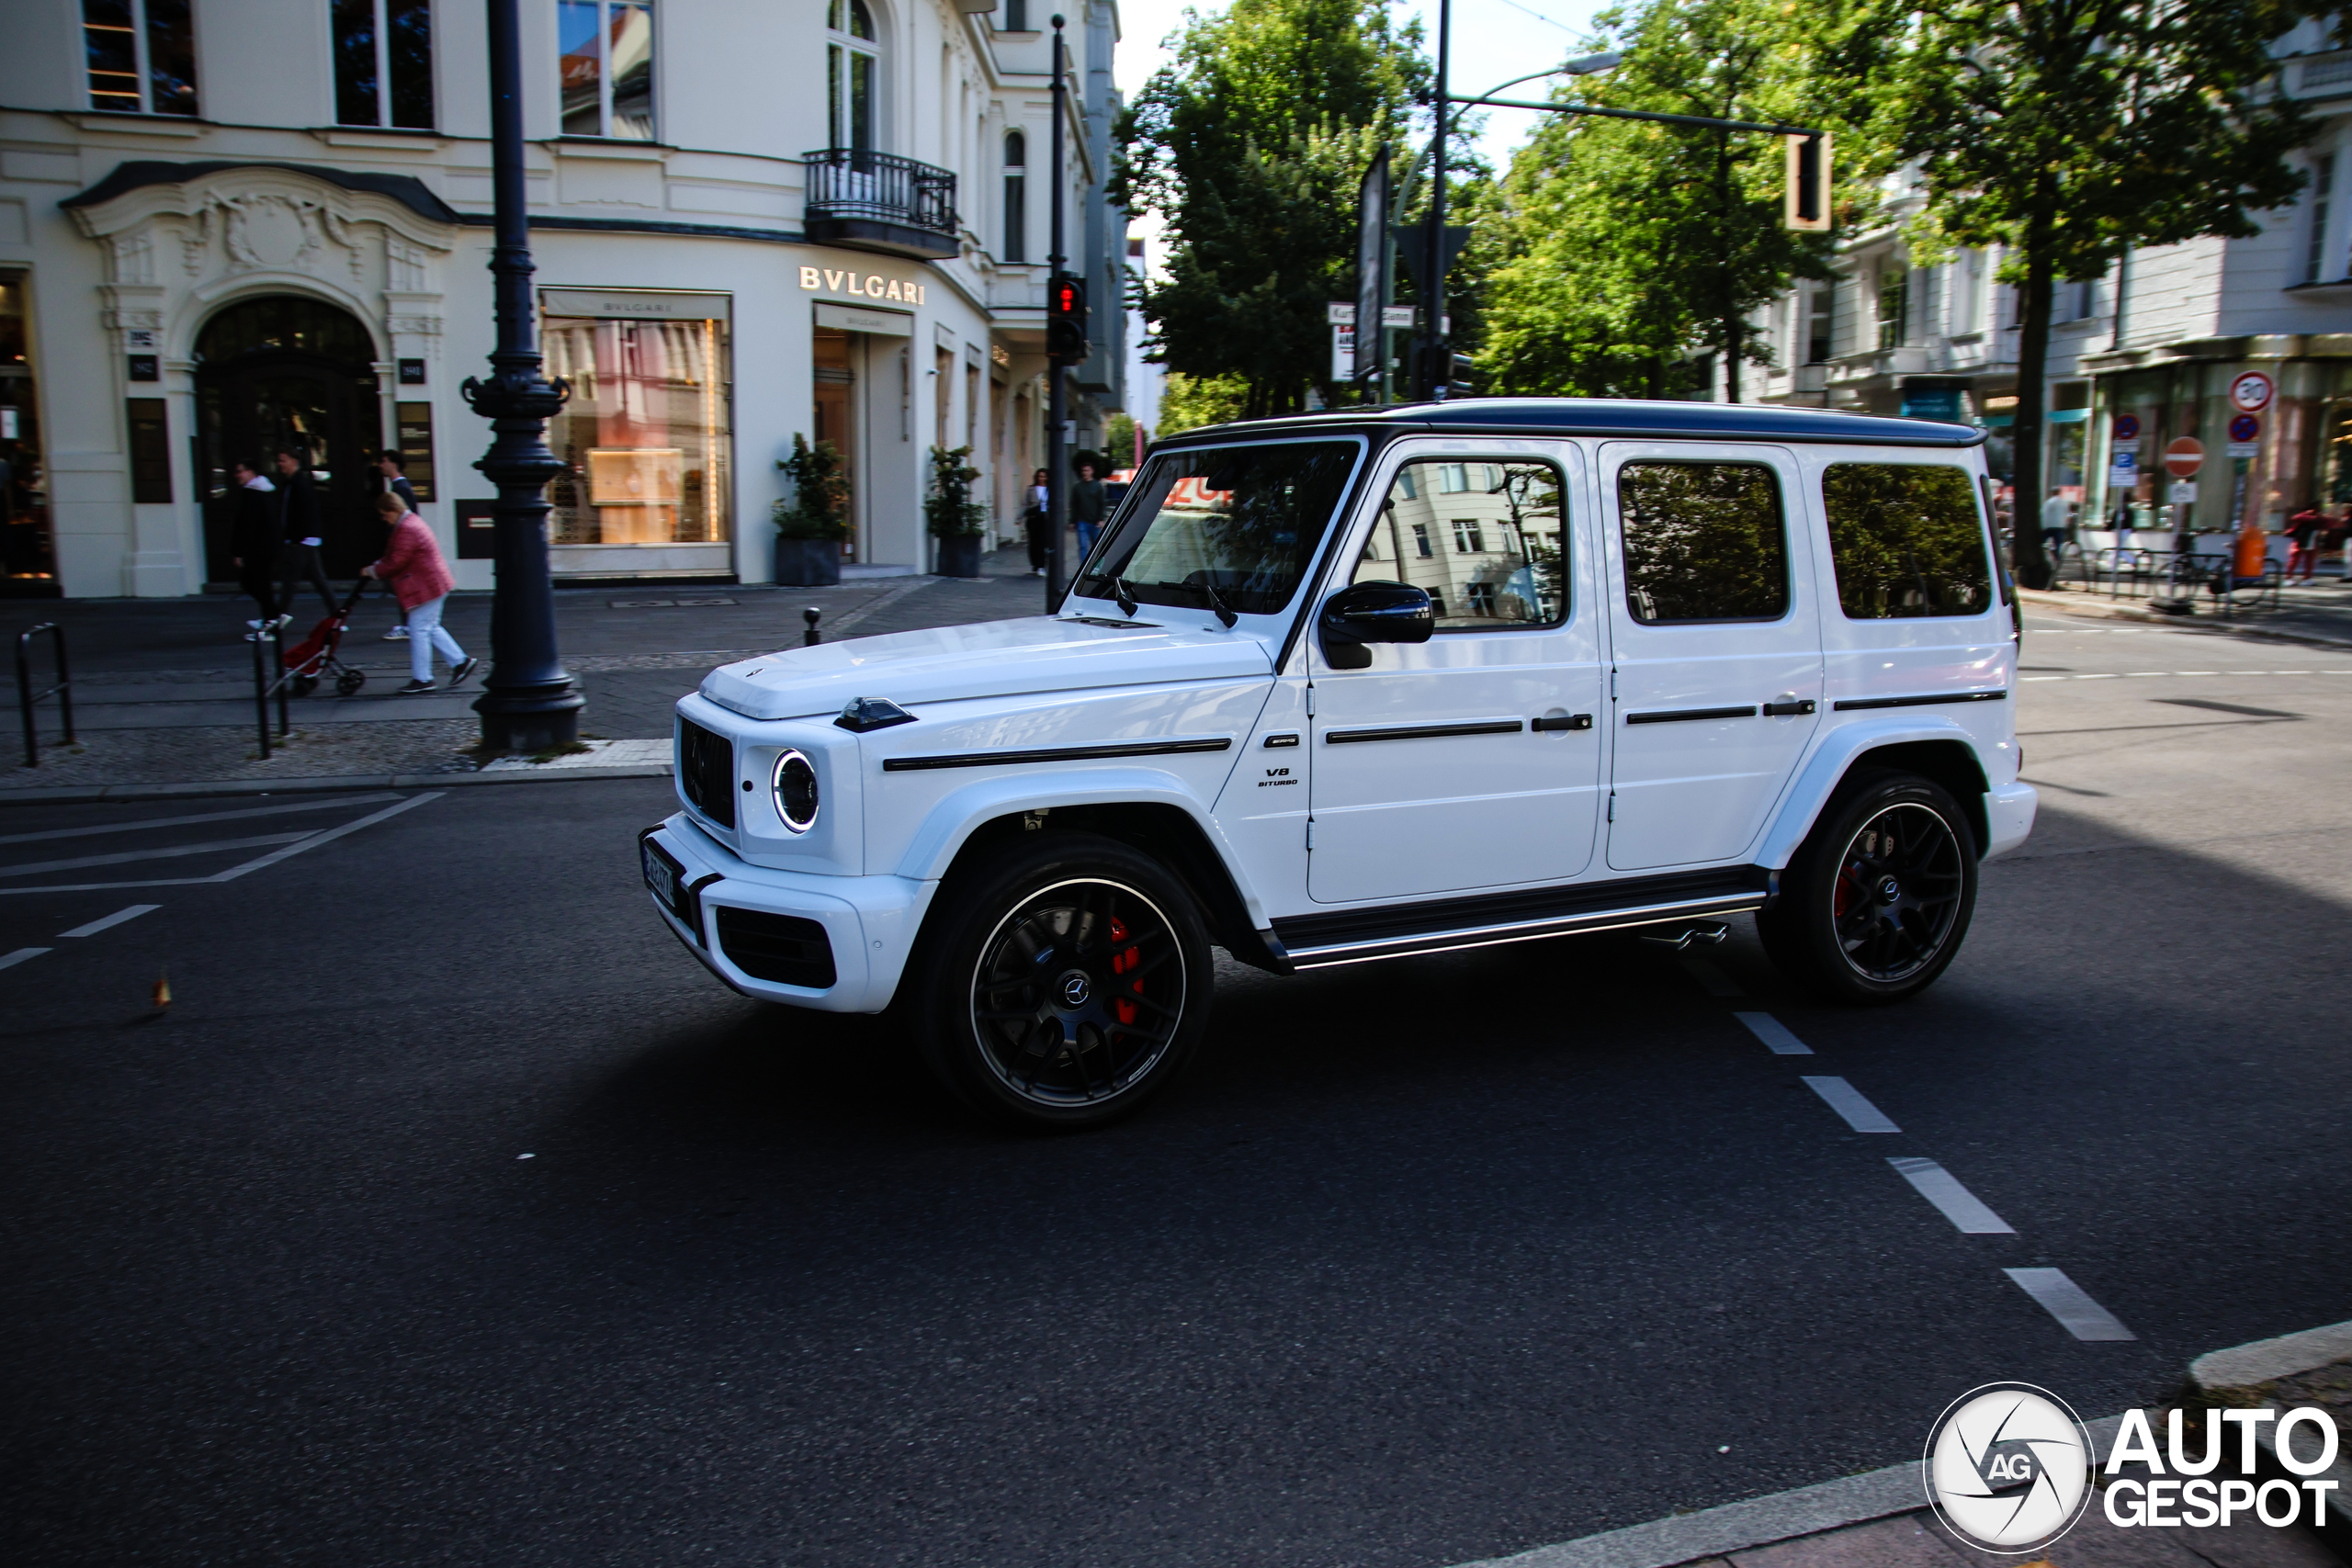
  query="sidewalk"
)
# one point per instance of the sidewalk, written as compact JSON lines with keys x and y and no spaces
{"x":1878,"y":1519}
{"x":2318,"y":613}
{"x":163,"y":689}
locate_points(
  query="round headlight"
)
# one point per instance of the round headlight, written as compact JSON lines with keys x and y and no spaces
{"x":796,"y":792}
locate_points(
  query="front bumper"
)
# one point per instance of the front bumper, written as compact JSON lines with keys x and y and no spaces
{"x":2009,"y":816}
{"x":869,"y":922}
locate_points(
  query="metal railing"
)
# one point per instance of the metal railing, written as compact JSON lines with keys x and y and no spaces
{"x":25,"y":696}
{"x":851,"y":183}
{"x":2183,"y":578}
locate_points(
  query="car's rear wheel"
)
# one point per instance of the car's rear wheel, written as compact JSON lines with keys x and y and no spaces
{"x":1061,"y":984}
{"x":1876,"y":901}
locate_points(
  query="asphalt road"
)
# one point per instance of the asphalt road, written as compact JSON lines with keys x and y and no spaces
{"x":1426,"y":1261}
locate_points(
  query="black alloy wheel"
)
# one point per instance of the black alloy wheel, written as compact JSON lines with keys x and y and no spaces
{"x":1062,"y":982}
{"x":1875,"y":903}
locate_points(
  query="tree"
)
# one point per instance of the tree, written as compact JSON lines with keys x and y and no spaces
{"x":1250,"y":148}
{"x":1641,"y":244}
{"x":2066,"y":130}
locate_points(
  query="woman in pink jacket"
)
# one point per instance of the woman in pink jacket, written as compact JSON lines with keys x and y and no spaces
{"x":420,"y":580}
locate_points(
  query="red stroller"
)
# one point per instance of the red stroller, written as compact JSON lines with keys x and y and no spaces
{"x":315,"y":657}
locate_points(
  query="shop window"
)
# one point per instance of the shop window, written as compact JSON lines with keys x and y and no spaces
{"x":151,"y":450}
{"x":606,"y":64}
{"x":1907,"y":540}
{"x":24,"y":486}
{"x":1703,"y":542}
{"x":853,"y":71}
{"x":644,"y":439}
{"x":1017,"y":198}
{"x":141,"y":55}
{"x":383,"y":62}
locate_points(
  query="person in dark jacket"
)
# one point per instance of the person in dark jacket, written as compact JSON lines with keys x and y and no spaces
{"x":298,"y":514}
{"x":1086,"y":508}
{"x":391,"y":467}
{"x":255,"y":540}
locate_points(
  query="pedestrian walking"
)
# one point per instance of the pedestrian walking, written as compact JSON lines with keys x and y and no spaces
{"x":392,"y":467}
{"x":1036,"y":520}
{"x":2303,"y":542}
{"x":419,"y":578}
{"x":253,"y":544}
{"x":1086,"y":508}
{"x":298,"y":524}
{"x":2055,"y":515}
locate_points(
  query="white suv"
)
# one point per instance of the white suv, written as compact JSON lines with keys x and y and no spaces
{"x":1370,"y":683}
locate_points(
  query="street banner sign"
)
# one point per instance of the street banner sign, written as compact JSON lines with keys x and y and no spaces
{"x":2252,"y":393}
{"x":2127,"y":427}
{"x":1371,"y":263}
{"x":2184,"y":455}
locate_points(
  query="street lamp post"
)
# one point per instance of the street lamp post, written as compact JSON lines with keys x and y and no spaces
{"x":529,"y":703}
{"x":1058,"y":377}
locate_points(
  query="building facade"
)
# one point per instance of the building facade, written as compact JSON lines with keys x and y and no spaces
{"x":2179,"y":341}
{"x":232,"y":225}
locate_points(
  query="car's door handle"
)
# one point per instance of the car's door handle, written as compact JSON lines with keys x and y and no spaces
{"x":1782,"y":710}
{"x":1563,"y":721}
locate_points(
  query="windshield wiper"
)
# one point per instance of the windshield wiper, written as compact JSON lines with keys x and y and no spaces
{"x":1216,"y":600}
{"x":1126,"y":596}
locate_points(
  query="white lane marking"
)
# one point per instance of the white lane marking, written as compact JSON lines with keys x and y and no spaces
{"x":1959,"y":1205}
{"x":111,"y":921}
{"x":2145,"y":675}
{"x":2030,"y":680}
{"x":2094,"y":677}
{"x":1717,"y":983}
{"x":2070,"y":1304}
{"x":130,"y":857}
{"x":327,"y":802}
{"x":10,"y":960}
{"x":234,"y":872}
{"x":1774,"y":1034}
{"x":1848,"y":1101}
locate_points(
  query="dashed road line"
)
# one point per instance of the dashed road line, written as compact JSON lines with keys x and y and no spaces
{"x":1848,"y":1101}
{"x":2167,"y":674}
{"x":2070,"y":1304}
{"x":1774,"y":1034}
{"x":1956,"y":1202}
{"x":10,"y":960}
{"x":111,"y":921}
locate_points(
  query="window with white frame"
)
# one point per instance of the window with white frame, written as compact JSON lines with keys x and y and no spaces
{"x":141,"y":55}
{"x":606,"y":59}
{"x":2322,"y":197}
{"x":1467,"y":539}
{"x":1893,"y":305}
{"x":1017,"y":198}
{"x":1968,"y":293}
{"x":383,"y":62}
{"x":852,"y":74}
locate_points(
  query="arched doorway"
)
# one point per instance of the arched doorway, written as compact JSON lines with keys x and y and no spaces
{"x":281,"y":370}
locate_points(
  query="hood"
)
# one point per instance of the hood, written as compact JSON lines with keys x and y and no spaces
{"x":994,"y":658}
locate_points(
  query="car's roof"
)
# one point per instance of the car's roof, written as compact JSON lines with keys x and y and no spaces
{"x":1632,"y":418}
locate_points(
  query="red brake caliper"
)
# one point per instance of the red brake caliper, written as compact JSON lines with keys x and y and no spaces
{"x":1120,"y":961}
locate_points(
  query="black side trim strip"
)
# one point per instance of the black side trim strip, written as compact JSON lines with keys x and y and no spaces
{"x":1850,"y":704}
{"x":1394,"y":922}
{"x":1679,"y":715}
{"x":1054,"y":754}
{"x":1424,"y":731}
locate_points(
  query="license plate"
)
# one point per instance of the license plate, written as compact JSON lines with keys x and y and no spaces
{"x":662,"y":877}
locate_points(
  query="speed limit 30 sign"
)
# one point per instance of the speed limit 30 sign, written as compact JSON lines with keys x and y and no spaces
{"x":2252,"y":391}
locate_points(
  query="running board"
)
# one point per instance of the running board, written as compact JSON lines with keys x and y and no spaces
{"x":1357,"y":936}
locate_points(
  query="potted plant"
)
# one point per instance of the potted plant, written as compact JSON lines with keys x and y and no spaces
{"x":811,"y":522}
{"x":954,"y":519}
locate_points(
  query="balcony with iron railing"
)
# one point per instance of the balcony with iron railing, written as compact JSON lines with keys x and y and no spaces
{"x":873,"y":201}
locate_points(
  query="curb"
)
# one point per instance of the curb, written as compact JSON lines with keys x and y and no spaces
{"x":2113,"y":610}
{"x":77,"y":794}
{"x":2244,"y":1375}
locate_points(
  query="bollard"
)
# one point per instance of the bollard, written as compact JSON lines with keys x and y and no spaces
{"x":26,"y":697}
{"x":278,"y":679}
{"x":810,"y":638}
{"x":261,"y":692}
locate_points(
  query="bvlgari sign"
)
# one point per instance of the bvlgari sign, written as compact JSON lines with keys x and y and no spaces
{"x":870,"y":286}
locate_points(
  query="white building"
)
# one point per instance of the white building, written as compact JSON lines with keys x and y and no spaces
{"x":230,"y":225}
{"x":2147,"y":355}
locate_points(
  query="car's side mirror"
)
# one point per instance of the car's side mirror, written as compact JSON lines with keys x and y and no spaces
{"x":1373,"y":612}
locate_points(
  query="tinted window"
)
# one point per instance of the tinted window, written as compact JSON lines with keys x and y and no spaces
{"x":1907,"y":540}
{"x":1242,"y":520}
{"x":1485,"y":539}
{"x":1703,"y":542}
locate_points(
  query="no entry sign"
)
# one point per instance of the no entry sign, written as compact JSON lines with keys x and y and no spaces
{"x":2184,"y":457}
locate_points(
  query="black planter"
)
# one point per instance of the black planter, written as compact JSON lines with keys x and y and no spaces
{"x":959,"y":555}
{"x":808,"y":563}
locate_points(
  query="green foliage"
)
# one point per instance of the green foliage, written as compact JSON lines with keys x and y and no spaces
{"x":1119,"y":441}
{"x":948,"y":508}
{"x":1187,"y":402}
{"x":1703,"y":542}
{"x":818,"y":507}
{"x":1907,"y":540}
{"x":1250,"y":148}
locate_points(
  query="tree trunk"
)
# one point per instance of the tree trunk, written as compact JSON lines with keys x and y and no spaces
{"x":1735,"y":343}
{"x":2026,"y":554}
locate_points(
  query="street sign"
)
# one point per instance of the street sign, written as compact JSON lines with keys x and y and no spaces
{"x":2127,"y":427}
{"x":1342,"y":313}
{"x":2182,"y":492}
{"x":2245,"y":436}
{"x":2253,"y":391}
{"x":2184,"y":455}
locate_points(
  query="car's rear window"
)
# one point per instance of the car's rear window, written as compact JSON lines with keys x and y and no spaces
{"x":1242,"y":520}
{"x":1907,"y":539}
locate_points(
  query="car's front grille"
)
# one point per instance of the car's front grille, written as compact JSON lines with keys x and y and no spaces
{"x":786,"y":949}
{"x":706,"y":771}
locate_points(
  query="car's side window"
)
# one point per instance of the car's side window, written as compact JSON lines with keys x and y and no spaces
{"x":1484,"y":537}
{"x":1702,"y":542}
{"x":1907,"y":540}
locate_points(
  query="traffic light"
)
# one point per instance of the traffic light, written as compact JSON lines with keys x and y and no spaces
{"x":1807,"y":202}
{"x":1066,"y":320}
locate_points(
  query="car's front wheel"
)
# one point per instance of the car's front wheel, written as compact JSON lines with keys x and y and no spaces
{"x":1061,"y":984}
{"x":1874,"y":904}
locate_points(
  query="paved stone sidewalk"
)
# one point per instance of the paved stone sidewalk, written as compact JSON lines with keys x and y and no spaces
{"x":2318,"y":613}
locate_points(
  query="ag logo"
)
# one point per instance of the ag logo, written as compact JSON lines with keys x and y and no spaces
{"x":2008,"y":1468}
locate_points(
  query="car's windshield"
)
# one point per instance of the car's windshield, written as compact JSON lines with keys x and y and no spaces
{"x":1237,"y":524}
